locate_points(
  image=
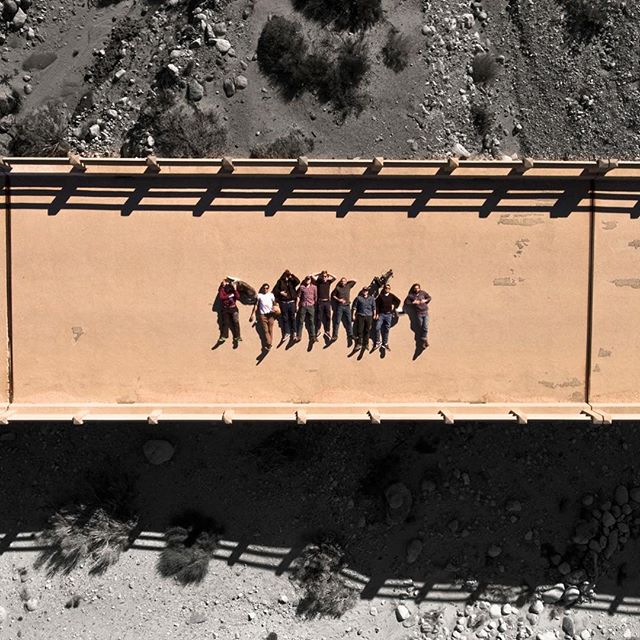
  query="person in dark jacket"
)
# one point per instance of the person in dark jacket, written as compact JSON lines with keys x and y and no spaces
{"x":323,"y":282}
{"x":418,"y":301}
{"x":386,"y":305}
{"x":286,"y":292}
{"x":364,"y":313}
{"x":229,"y":296}
{"x":341,"y":300}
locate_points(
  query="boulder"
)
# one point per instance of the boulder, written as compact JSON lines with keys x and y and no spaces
{"x":554,"y":594}
{"x":621,"y":495}
{"x":9,"y":9}
{"x":222,"y":45}
{"x":195,"y":91}
{"x":402,"y":613}
{"x":399,"y":502}
{"x":414,"y":549}
{"x":19,"y":19}
{"x":229,"y":87}
{"x":158,"y":451}
{"x":241,"y":82}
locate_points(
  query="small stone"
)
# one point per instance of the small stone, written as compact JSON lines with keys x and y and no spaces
{"x":31,"y":604}
{"x":195,"y":91}
{"x":119,"y":74}
{"x":220,"y":28}
{"x":283,"y":599}
{"x":459,"y":151}
{"x":585,"y":634}
{"x":402,"y":613}
{"x":495,"y":611}
{"x":506,"y":609}
{"x":9,"y":9}
{"x":571,"y":595}
{"x":635,"y":494}
{"x":621,"y":495}
{"x":229,"y":87}
{"x":158,"y":451}
{"x":196,"y":618}
{"x":537,"y":607}
{"x":494,"y":551}
{"x":94,"y":131}
{"x":546,"y":635}
{"x":554,"y":594}
{"x":607,"y":519}
{"x":222,"y":45}
{"x":3,"y":615}
{"x":564,"y":568}
{"x":414,"y":549}
{"x":241,"y":82}
{"x":567,"y":626}
{"x":587,"y":500}
{"x":28,"y":89}
{"x":19,"y":19}
{"x":514,"y":506}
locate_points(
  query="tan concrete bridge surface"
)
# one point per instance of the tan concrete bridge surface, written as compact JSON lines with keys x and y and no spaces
{"x":111,"y":266}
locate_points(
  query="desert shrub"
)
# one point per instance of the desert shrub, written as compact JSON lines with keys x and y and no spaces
{"x":352,"y":15}
{"x":326,"y":593}
{"x":94,"y":531}
{"x":179,"y":130}
{"x":42,"y":132}
{"x":349,"y":69}
{"x":482,"y":117}
{"x":282,"y":53}
{"x":587,"y":17}
{"x":292,"y":145}
{"x":395,"y":53}
{"x":190,"y":545}
{"x":485,"y":68}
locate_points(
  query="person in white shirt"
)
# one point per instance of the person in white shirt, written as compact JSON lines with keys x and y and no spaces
{"x":265,"y":313}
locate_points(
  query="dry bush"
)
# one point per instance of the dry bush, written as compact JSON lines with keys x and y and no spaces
{"x":485,"y":68}
{"x":184,"y":131}
{"x":191,"y":544}
{"x":293,"y":145}
{"x":42,"y":132}
{"x":352,"y":15}
{"x":318,"y":572}
{"x":395,"y":53}
{"x":282,"y":51}
{"x":95,"y":531}
{"x":587,"y":17}
{"x":482,"y":117}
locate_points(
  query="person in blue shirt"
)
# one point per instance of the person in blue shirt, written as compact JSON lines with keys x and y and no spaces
{"x":363,"y":312}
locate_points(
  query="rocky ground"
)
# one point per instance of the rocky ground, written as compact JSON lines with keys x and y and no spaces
{"x":496,"y":532}
{"x":566,"y":86}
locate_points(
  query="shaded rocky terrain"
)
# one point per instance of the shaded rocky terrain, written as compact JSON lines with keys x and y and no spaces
{"x":464,"y":531}
{"x":548,"y":78}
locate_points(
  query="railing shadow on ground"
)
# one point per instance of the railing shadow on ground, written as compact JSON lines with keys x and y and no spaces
{"x":273,"y":487}
{"x":341,"y":196}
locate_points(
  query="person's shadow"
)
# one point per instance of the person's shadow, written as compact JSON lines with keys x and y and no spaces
{"x":414,"y":323}
{"x":216,"y":307}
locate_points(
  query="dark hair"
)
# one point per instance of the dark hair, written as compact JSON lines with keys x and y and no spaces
{"x":415,"y":284}
{"x":264,"y":287}
{"x":229,"y":287}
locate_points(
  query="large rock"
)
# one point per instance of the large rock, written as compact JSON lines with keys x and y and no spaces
{"x":9,"y":9}
{"x":241,"y":82}
{"x":229,"y":87}
{"x":399,"y":502}
{"x":222,"y":45}
{"x":195,"y":91}
{"x":554,"y":594}
{"x":19,"y":19}
{"x":402,"y":613}
{"x":622,"y":495}
{"x":414,"y":549}
{"x":158,"y":451}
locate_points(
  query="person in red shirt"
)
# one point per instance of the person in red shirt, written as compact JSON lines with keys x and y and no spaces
{"x":229,"y":296}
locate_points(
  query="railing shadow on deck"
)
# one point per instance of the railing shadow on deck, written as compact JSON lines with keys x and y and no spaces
{"x":270,"y":196}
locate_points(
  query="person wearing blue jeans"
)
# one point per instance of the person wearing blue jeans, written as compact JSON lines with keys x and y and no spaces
{"x":418,"y":301}
{"x":386,"y":305}
{"x":286,"y":292}
{"x":341,"y":300}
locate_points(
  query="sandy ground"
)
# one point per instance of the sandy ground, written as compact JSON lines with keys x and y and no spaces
{"x":494,"y":506}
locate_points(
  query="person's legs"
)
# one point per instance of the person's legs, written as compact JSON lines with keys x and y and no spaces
{"x":270,"y":322}
{"x":289,"y":317}
{"x":301,"y":316}
{"x":379,"y":327}
{"x":385,"y":325}
{"x":264,"y":329}
{"x":312,"y":325}
{"x":346,"y":319}
{"x":337,"y":310}
{"x":366,"y":330}
{"x":326,"y":316}
{"x":424,"y":327}
{"x":235,"y":325}
{"x":224,"y":324}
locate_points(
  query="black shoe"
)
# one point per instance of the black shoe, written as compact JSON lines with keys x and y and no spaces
{"x":386,"y":346}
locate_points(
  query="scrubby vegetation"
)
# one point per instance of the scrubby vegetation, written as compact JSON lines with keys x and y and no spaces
{"x":333,"y":74}
{"x":42,"y":132}
{"x":352,"y":15}
{"x":482,"y":117}
{"x":190,"y":545}
{"x":326,"y":592}
{"x":94,"y":531}
{"x":10,"y":100}
{"x":179,"y":130}
{"x":485,"y":68}
{"x":395,"y":53}
{"x":292,"y":145}
{"x":588,"y":17}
